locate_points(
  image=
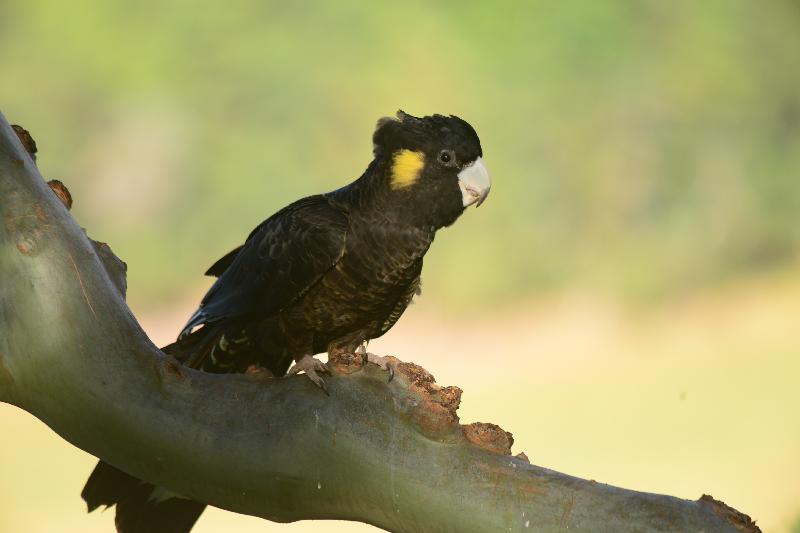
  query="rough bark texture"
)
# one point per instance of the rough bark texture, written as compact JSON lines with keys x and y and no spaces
{"x":389,"y":454}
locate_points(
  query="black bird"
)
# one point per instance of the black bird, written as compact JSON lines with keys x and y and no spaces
{"x":324,"y":274}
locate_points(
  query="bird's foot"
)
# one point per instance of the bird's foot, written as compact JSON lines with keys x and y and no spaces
{"x":384,"y":362}
{"x":312,"y":368}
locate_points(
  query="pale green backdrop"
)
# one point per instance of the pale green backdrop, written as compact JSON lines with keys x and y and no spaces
{"x":630,"y":291}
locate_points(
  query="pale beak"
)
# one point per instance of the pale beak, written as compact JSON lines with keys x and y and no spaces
{"x":474,"y":183}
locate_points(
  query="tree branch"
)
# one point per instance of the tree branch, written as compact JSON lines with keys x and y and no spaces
{"x":389,"y":454}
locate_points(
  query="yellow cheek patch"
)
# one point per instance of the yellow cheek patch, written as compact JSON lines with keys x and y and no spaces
{"x":406,"y":167}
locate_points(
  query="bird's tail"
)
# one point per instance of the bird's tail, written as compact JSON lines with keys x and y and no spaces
{"x":141,"y":507}
{"x":193,"y":349}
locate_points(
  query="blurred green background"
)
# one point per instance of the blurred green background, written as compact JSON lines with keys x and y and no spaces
{"x":634,"y":274}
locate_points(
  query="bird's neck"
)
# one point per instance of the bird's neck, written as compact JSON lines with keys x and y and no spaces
{"x":373,"y":198}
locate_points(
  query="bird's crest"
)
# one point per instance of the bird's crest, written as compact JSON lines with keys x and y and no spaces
{"x":390,"y":131}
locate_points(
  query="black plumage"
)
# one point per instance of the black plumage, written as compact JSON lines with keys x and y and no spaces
{"x":139,"y":509}
{"x":334,"y":270}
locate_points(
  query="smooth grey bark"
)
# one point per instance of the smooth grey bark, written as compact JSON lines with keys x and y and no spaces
{"x":389,"y":454}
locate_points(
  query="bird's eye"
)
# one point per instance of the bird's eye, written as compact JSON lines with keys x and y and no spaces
{"x":447,"y":157}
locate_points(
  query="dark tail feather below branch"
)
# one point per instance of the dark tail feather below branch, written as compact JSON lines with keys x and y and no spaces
{"x":139,"y":507}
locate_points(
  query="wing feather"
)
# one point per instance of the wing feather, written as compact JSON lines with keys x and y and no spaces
{"x":223,"y":262}
{"x":281,"y":259}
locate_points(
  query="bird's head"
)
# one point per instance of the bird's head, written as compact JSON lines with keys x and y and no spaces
{"x":433,"y":163}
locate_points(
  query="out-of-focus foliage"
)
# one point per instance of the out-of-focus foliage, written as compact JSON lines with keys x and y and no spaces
{"x":640,"y":148}
{"x":644,"y":149}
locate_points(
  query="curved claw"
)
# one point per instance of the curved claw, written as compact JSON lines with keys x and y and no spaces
{"x":382,"y":362}
{"x":312,"y":368}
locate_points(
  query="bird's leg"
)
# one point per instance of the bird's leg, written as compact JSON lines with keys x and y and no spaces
{"x":383,"y":362}
{"x":312,"y":367}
